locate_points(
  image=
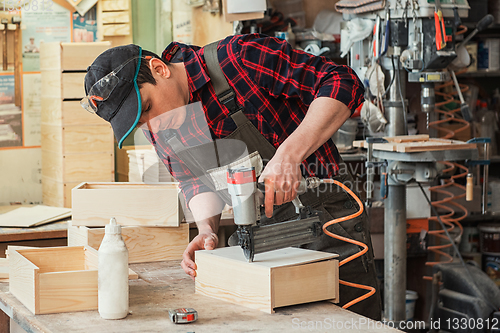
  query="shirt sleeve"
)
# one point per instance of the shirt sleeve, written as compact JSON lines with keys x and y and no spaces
{"x":189,"y":184}
{"x":284,"y":71}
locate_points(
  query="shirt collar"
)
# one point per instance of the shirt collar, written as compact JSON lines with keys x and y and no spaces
{"x":191,"y":57}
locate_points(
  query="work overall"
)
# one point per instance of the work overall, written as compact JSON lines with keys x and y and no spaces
{"x":329,"y":199}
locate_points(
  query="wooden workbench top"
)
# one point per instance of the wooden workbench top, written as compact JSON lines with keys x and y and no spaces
{"x":163,"y":286}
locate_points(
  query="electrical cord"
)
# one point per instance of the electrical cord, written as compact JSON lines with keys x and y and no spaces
{"x":371,"y":290}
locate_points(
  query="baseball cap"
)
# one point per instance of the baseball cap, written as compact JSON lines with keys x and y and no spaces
{"x":122,"y":104}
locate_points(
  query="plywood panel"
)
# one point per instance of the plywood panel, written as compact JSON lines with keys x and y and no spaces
{"x":88,"y":139}
{"x":90,"y":167}
{"x":72,"y":85}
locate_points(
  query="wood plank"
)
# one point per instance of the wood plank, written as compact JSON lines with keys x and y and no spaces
{"x":22,"y":279}
{"x":55,"y":259}
{"x":51,"y":138}
{"x":50,"y":56}
{"x":111,"y":5}
{"x":115,"y":17}
{"x":4,"y":268}
{"x":94,"y":204}
{"x":51,"y":83}
{"x":225,"y":274}
{"x":120,"y":29}
{"x":90,"y":167}
{"x":52,"y":165}
{"x":68,"y":291}
{"x":72,"y":85}
{"x":408,"y":138}
{"x":74,"y":114}
{"x":78,"y":56}
{"x":51,"y":111}
{"x":87,"y":139}
{"x":52,"y":192}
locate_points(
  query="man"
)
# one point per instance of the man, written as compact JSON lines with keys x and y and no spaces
{"x":287,"y":105}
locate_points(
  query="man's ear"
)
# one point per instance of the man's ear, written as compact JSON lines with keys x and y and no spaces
{"x":158,"y":67}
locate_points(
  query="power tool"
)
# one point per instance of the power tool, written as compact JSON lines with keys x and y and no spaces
{"x":254,"y":237}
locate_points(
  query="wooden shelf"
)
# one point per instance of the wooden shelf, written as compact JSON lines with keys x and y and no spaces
{"x":481,"y":73}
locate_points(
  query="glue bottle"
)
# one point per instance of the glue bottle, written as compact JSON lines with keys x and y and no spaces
{"x":113,"y":274}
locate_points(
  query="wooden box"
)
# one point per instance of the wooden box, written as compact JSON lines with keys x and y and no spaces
{"x":275,"y":279}
{"x":144,"y":244}
{"x":76,"y":146}
{"x":132,"y":204}
{"x":52,"y":280}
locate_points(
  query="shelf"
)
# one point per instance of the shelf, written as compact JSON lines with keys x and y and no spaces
{"x":481,"y":73}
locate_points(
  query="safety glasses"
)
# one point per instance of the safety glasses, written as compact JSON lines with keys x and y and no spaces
{"x":102,"y":89}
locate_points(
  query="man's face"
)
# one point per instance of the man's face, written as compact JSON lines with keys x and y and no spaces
{"x":163,"y":104}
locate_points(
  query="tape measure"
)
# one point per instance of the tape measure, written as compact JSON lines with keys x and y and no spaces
{"x":183,"y":315}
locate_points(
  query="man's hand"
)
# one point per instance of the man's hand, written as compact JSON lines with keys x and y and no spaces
{"x":204,"y":241}
{"x":281,"y":178}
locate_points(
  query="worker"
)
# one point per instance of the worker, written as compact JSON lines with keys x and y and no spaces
{"x":287,"y":105}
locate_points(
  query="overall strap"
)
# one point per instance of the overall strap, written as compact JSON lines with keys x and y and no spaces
{"x":225,"y":93}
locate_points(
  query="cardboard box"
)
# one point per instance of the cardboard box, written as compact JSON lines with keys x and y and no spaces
{"x":132,"y":204}
{"x":56,"y":279}
{"x":144,"y":244}
{"x":277,"y":278}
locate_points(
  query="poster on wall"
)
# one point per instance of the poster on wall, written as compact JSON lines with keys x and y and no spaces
{"x":45,"y":25}
{"x":85,"y":27}
{"x":11,"y":132}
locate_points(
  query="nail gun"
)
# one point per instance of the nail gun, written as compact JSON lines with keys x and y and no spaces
{"x":253,"y":237}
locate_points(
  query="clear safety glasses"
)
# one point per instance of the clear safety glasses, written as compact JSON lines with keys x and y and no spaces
{"x":102,"y":89}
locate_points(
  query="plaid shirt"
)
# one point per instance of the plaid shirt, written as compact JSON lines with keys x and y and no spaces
{"x":275,"y":84}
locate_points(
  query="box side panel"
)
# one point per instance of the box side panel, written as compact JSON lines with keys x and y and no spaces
{"x":56,"y":259}
{"x":22,"y":279}
{"x":304,"y":283}
{"x":68,"y":291}
{"x":74,"y":114}
{"x":147,"y":244}
{"x":245,"y":284}
{"x":134,"y":206}
{"x":77,"y":235}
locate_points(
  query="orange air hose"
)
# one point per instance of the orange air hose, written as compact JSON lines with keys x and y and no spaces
{"x":370,"y":289}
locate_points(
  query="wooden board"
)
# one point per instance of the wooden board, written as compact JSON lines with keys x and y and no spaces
{"x":33,"y":216}
{"x":241,"y":16}
{"x":134,"y":204}
{"x":266,"y":283}
{"x":144,"y":244}
{"x":112,"y":5}
{"x":70,"y":56}
{"x":417,"y":143}
{"x":115,"y":17}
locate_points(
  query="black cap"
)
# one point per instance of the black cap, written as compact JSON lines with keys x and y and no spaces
{"x":123,"y":107}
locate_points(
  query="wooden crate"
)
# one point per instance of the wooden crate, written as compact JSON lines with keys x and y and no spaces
{"x":52,"y":280}
{"x":132,"y":204}
{"x":144,"y":244}
{"x":275,"y":279}
{"x":76,"y":146}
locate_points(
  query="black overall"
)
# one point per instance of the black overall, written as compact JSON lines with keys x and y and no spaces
{"x":330,"y":199}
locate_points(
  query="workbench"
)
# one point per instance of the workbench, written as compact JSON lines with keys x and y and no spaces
{"x":163,"y":286}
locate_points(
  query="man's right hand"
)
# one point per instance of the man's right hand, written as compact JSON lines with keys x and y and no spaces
{"x":204,"y":241}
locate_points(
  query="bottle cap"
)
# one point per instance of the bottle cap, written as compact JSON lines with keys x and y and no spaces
{"x":113,"y":228}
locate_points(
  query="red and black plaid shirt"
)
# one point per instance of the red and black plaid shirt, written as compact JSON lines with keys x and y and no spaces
{"x":274,"y":83}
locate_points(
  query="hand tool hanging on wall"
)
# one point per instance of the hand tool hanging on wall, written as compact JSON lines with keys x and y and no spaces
{"x":5,"y":22}
{"x":17,"y":61}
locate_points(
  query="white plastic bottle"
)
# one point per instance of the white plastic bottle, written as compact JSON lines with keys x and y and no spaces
{"x":113,"y":274}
